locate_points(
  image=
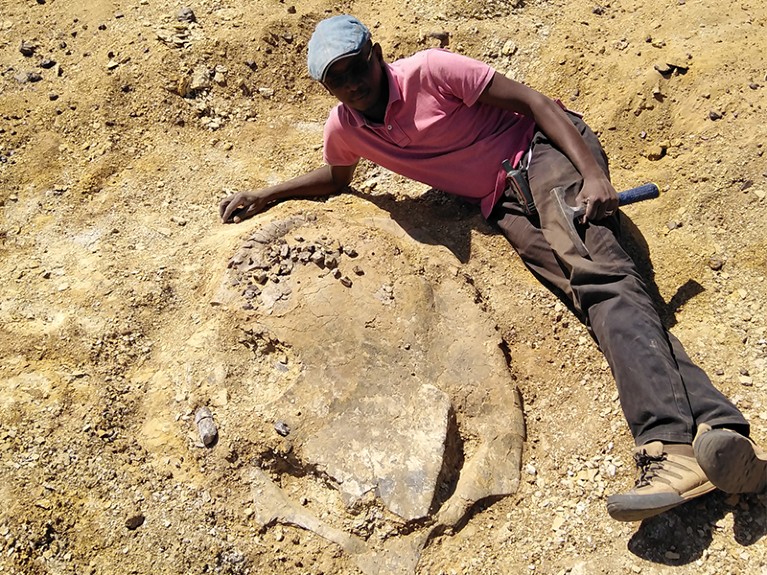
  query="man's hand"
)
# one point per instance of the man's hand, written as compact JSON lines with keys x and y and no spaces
{"x":600,"y":198}
{"x":598,"y":194}
{"x":320,"y":182}
{"x":240,"y":206}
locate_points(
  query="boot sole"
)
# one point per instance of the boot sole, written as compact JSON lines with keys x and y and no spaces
{"x":626,"y":507}
{"x":730,"y":461}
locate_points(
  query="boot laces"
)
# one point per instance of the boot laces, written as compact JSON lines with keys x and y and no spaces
{"x":649,"y":466}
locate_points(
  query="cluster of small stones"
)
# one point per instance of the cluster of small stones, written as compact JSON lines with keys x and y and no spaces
{"x":180,"y":33}
{"x":268,"y":257}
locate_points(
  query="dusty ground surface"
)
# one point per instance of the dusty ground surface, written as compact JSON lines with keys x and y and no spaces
{"x":115,"y":148}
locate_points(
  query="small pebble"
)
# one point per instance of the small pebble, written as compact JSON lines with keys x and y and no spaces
{"x":282,"y":428}
{"x":206,"y":426}
{"x":186,"y":14}
{"x":134,"y":521}
{"x":716,"y":263}
{"x":27,"y":49}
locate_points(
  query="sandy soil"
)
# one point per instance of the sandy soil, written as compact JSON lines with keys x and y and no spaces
{"x":121,"y":128}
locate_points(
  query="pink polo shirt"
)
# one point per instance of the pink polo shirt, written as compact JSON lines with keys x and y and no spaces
{"x":434,"y":130}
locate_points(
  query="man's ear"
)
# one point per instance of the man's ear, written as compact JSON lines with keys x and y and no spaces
{"x":378,"y":52}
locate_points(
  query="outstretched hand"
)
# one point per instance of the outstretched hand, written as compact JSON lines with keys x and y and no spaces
{"x":241,"y":206}
{"x":599,"y":197}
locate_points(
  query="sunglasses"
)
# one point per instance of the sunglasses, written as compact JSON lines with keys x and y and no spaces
{"x":356,"y":71}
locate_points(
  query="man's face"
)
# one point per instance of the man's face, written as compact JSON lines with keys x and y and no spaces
{"x":356,"y":80}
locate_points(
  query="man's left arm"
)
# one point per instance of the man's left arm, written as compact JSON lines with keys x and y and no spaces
{"x":597,"y":192}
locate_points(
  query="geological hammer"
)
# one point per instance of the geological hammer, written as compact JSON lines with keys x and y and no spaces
{"x":569,"y":213}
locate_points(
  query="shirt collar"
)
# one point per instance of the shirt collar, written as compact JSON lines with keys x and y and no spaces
{"x":395,"y":95}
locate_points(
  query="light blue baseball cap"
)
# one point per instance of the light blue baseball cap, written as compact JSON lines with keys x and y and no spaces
{"x":335,"y":38}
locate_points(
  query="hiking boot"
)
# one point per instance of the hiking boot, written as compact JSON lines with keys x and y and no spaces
{"x":667,"y":476}
{"x":732,"y":462}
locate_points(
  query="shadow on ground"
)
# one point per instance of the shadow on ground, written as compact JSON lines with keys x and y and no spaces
{"x":636,"y":246}
{"x":680,"y":536}
{"x":436,"y":218}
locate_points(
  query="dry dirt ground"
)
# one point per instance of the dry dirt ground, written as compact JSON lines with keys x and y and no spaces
{"x":121,"y":128}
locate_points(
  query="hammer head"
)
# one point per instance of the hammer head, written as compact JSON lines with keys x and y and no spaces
{"x":569,"y":214}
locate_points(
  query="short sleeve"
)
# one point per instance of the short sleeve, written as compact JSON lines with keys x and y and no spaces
{"x":460,"y":76}
{"x":335,"y":151}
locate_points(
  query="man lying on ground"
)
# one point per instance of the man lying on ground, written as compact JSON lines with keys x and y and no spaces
{"x":450,"y":121}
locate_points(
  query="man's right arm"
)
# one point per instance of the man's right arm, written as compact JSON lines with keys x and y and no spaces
{"x":320,"y":182}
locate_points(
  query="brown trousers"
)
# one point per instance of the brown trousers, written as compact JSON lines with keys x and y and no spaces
{"x":663,"y":394}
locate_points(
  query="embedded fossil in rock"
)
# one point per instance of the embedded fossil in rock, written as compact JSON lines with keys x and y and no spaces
{"x":406,"y":399}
